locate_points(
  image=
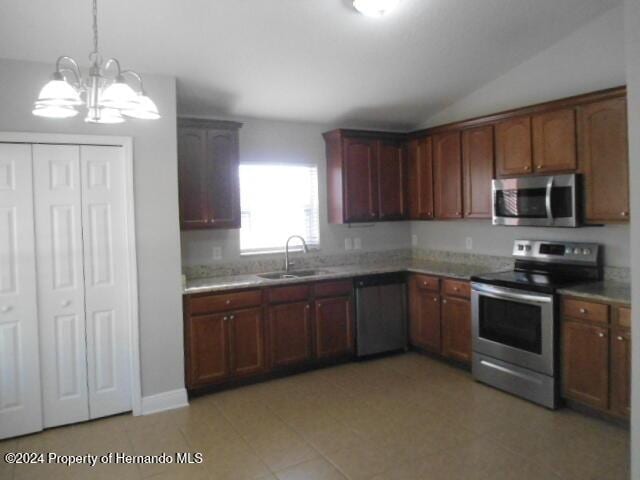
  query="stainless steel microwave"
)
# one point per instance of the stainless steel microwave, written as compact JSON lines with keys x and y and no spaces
{"x":540,"y":201}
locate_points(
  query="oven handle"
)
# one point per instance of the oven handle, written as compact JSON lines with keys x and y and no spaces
{"x":501,"y":293}
{"x":548,"y":199}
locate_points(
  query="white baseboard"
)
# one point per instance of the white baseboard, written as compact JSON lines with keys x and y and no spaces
{"x":164,"y":401}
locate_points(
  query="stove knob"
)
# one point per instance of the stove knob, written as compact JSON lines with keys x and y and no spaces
{"x":586,"y":251}
{"x":576,"y":251}
{"x":568,"y":250}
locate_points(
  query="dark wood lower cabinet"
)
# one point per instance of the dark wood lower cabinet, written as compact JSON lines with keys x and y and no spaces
{"x":247,"y":342}
{"x":208,"y":351}
{"x":334,"y":328}
{"x":289,"y":327}
{"x":585,"y":363}
{"x":456,"y":329}
{"x":424,"y":317}
{"x":621,"y":372}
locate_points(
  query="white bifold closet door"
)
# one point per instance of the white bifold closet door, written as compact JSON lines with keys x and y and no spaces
{"x":81,"y":252}
{"x":20,"y":401}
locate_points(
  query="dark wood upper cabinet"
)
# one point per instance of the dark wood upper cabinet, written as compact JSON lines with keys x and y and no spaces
{"x":478,"y":171}
{"x":208,"y":351}
{"x":392,"y":178}
{"x":603,"y":154}
{"x":366,"y":176}
{"x":247,"y":342}
{"x":447,"y":172}
{"x":554,"y":141}
{"x":360,"y":179}
{"x":420,"y":181}
{"x":456,"y":329}
{"x":513,"y":147}
{"x":334,"y":336}
{"x":585,"y":363}
{"x":208,"y":174}
{"x":424,"y":315}
{"x":289,"y":334}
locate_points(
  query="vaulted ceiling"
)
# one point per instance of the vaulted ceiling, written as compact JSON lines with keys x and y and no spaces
{"x":303,"y":60}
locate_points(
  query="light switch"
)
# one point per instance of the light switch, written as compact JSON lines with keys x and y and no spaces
{"x":217,"y":253}
{"x":469,"y":243}
{"x":357,"y":243}
{"x":348,"y":244}
{"x":414,"y":240}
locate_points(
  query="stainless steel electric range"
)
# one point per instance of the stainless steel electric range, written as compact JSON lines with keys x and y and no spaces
{"x":515,"y":316}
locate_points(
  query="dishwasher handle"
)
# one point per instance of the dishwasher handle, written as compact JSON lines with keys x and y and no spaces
{"x":380,"y":280}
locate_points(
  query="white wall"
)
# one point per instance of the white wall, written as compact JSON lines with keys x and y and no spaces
{"x":589,"y":59}
{"x":286,"y":142}
{"x":156,"y":197}
{"x":632,"y":47}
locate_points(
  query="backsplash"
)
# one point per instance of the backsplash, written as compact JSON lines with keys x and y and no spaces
{"x":275,"y":262}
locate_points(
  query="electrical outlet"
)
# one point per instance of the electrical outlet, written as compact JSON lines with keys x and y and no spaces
{"x":348,"y":244}
{"x":217,"y":253}
{"x":357,"y":243}
{"x":414,"y":240}
{"x":469,"y":243}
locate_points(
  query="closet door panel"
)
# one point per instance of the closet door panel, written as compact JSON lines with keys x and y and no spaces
{"x":105,"y":268}
{"x":57,"y":196}
{"x":20,"y":403}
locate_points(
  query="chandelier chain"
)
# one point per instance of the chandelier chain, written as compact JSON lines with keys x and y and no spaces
{"x":95,"y":27}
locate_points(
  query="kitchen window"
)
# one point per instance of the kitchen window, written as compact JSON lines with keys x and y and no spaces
{"x":278,"y":201}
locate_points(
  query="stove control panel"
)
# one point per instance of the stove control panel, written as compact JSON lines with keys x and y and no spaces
{"x":557,"y":252}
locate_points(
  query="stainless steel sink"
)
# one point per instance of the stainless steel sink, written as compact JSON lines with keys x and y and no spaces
{"x":293,"y":274}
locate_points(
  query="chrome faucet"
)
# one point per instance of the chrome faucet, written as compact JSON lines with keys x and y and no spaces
{"x":287,"y":263}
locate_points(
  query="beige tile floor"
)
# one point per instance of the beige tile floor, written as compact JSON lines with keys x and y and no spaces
{"x":405,"y":417}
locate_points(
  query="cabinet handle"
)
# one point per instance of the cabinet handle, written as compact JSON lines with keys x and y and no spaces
{"x":625,"y":214}
{"x":232,"y":317}
{"x":621,"y":339}
{"x":456,"y":289}
{"x":425,"y":283}
{"x":539,"y":167}
{"x":444,"y":301}
{"x":459,"y":214}
{"x":601,"y":335}
{"x":527,"y":167}
{"x":225,"y":318}
{"x":372,"y":214}
{"x":65,"y":303}
{"x":583,"y":310}
{"x":435,"y":299}
{"x":228,"y":302}
{"x":307,"y":306}
{"x":6,"y":309}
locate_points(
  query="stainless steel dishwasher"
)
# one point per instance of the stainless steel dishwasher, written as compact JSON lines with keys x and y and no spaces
{"x":381,"y":314}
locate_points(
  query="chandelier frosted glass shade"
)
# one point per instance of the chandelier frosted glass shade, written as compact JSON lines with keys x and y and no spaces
{"x":119,"y":95}
{"x":375,"y":8}
{"x":145,"y":109}
{"x":53,"y":111}
{"x":59,"y":93}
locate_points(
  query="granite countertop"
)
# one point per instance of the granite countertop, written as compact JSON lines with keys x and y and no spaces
{"x":605,"y":291}
{"x":460,"y":271}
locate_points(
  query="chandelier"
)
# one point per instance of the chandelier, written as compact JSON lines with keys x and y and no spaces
{"x":375,"y":8}
{"x":106,"y":93}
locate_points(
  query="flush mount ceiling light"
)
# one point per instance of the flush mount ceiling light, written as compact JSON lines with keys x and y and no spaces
{"x":108,"y":97}
{"x":375,"y":8}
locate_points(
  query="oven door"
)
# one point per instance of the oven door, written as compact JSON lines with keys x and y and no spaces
{"x":515,"y":326}
{"x":536,"y":201}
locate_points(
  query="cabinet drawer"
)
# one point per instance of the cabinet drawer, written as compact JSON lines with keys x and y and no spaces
{"x":593,"y":312}
{"x":333,"y":289}
{"x":623,"y":317}
{"x":456,"y":288}
{"x":427,"y":282}
{"x":294,"y":293}
{"x":225,"y":302}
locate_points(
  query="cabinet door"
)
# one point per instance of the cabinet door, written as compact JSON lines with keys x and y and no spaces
{"x":193,"y":171}
{"x":554,"y":141}
{"x":20,"y":394}
{"x":289,"y":334}
{"x":424,"y":317}
{"x":421,"y":179}
{"x":477,"y":165}
{"x":447,"y":166}
{"x":456,"y":329}
{"x":208,"y":349}
{"x":585,"y":364}
{"x":604,"y":160}
{"x":223,"y":181}
{"x":513,"y":147}
{"x":360,"y":180}
{"x":621,"y":372}
{"x":247,"y":342}
{"x":392,"y":173}
{"x":333,"y":327}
